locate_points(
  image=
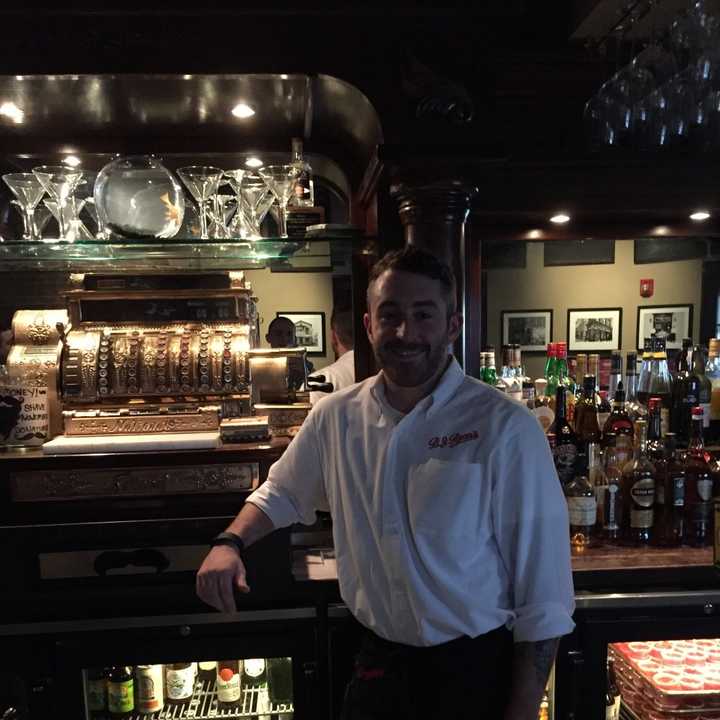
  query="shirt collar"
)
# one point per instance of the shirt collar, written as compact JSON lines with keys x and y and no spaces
{"x":449,"y":382}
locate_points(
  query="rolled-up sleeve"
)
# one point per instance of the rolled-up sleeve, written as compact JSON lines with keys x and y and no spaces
{"x":531,"y":527}
{"x":294,"y":490}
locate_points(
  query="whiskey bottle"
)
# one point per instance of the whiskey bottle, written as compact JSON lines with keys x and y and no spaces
{"x":638,"y":494}
{"x":604,"y":408}
{"x":582,"y":507}
{"x":229,"y":687}
{"x":698,"y":486}
{"x":655,"y":446}
{"x":685,"y":394}
{"x":121,"y":692}
{"x":564,"y":445}
{"x":633,"y":406}
{"x":620,"y":426}
{"x":586,"y":419}
{"x":616,"y":373}
{"x":614,"y":460}
{"x":661,"y":382}
{"x":670,"y":497}
{"x":704,"y":385}
{"x":643,"y":386}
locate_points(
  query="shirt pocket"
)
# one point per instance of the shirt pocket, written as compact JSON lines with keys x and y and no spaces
{"x":444,"y":497}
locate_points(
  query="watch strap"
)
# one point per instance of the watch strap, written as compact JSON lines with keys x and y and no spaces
{"x":229,"y":538}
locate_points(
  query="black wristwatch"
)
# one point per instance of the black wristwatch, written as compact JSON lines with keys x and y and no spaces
{"x":229,"y":538}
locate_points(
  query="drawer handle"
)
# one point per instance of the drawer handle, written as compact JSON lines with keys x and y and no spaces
{"x":116,"y":559}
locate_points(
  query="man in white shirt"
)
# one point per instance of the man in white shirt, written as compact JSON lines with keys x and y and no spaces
{"x":341,"y":373}
{"x":450,"y":527}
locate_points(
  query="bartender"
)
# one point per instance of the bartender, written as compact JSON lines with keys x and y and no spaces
{"x":341,"y":373}
{"x":449,"y":524}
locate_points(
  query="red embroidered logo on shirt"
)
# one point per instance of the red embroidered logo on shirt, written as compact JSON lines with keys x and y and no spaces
{"x":450,"y":441}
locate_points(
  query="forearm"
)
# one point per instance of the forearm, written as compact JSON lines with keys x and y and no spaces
{"x":251,"y":524}
{"x":532,"y":662}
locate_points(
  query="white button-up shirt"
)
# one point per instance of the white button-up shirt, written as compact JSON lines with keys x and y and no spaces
{"x":447,"y":521}
{"x":341,"y":374}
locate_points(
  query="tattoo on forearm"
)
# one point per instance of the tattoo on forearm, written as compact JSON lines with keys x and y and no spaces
{"x":543,"y":655}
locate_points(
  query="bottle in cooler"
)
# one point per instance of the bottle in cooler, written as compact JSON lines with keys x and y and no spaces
{"x":150,"y":695}
{"x":179,"y":683}
{"x":121,"y":691}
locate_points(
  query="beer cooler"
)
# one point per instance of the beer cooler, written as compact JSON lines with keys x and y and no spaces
{"x":252,"y":664}
{"x":641,"y":656}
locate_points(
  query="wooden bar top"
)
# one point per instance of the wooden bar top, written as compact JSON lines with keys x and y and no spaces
{"x":622,"y":558}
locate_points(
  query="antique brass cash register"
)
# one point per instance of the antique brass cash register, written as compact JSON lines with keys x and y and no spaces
{"x":151,"y":355}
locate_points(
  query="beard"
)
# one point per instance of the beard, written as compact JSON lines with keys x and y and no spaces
{"x":410,"y":364}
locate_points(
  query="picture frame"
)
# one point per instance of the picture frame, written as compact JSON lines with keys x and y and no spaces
{"x":531,"y":329}
{"x":309,"y":329}
{"x":671,"y":322}
{"x":595,"y":330}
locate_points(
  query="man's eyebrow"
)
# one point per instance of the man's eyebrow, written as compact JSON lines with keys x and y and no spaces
{"x":418,"y":304}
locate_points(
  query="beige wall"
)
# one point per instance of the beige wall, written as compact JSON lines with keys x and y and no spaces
{"x":588,"y":286}
{"x":309,"y":292}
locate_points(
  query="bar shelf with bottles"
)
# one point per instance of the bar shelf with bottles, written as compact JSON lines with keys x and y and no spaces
{"x":639,"y":475}
{"x":257,"y":687}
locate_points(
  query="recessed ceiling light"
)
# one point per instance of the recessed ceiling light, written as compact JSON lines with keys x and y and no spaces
{"x":560,"y":219}
{"x":187,"y":77}
{"x":254,"y":162}
{"x":534,"y":234}
{"x":72,"y":160}
{"x":700,"y":215}
{"x":242,"y":110}
{"x":284,"y":77}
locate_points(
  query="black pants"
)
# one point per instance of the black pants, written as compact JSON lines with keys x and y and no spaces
{"x":463,"y":678}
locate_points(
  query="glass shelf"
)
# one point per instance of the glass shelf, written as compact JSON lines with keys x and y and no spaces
{"x":176,"y":254}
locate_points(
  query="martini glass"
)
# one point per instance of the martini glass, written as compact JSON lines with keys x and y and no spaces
{"x":28,"y":191}
{"x":76,"y":229}
{"x":59,"y":182}
{"x":281,"y":180}
{"x":255,"y":201}
{"x":203,"y":182}
{"x":234,"y":179}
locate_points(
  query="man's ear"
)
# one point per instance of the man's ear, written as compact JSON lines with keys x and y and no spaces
{"x":368,"y":325}
{"x":455,"y":324}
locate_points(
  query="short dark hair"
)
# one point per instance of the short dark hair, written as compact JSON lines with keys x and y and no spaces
{"x":420,"y":262}
{"x":279,"y":319}
{"x":341,"y":322}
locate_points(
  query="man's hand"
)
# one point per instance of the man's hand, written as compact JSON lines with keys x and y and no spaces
{"x":531,"y":666}
{"x":220,"y":574}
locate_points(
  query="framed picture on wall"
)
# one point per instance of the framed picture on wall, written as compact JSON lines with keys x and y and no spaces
{"x":594,"y":329}
{"x":531,"y":329}
{"x":309,"y":329}
{"x":670,"y":322}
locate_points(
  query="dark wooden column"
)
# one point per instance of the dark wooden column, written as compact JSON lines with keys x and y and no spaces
{"x":433,"y":218}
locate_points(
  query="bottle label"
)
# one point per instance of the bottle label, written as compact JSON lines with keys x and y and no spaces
{"x":96,"y":694}
{"x":611,"y":518}
{"x":705,"y":488}
{"x":643,"y":492}
{"x":707,"y":410}
{"x":254,"y":667}
{"x":545,"y":416}
{"x":602,"y":418}
{"x":228,"y":685}
{"x":582,"y":511}
{"x":120,"y":697}
{"x":564,"y":458}
{"x":623,"y":449}
{"x":150,"y":688}
{"x":641,"y":518}
{"x":180,"y":683}
{"x":678,"y":485}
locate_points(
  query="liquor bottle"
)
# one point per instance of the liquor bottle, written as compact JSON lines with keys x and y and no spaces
{"x":655,"y":446}
{"x":643,"y":386}
{"x":594,"y":370}
{"x":698,"y":486}
{"x":712,"y":371}
{"x":582,"y":506}
{"x":638,"y":493}
{"x":149,"y":688}
{"x":97,"y":691}
{"x":616,"y":373}
{"x":670,"y":497}
{"x":304,"y":189}
{"x":508,"y":377}
{"x":598,"y":480}
{"x":604,"y":408}
{"x":620,"y":426}
{"x":633,"y":406}
{"x":586,"y":418}
{"x":580,"y":372}
{"x":254,"y":671}
{"x":121,"y":693}
{"x":565,"y":444}
{"x":614,"y":460}
{"x":562,"y":371}
{"x":207,"y":669}
{"x":542,"y":410}
{"x":490,"y":371}
{"x":685,"y":394}
{"x":280,"y":682}
{"x":179,"y":683}
{"x":661,"y":382}
{"x":229,"y":687}
{"x":704,"y":385}
{"x":483,"y":366}
{"x":550,"y":372}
